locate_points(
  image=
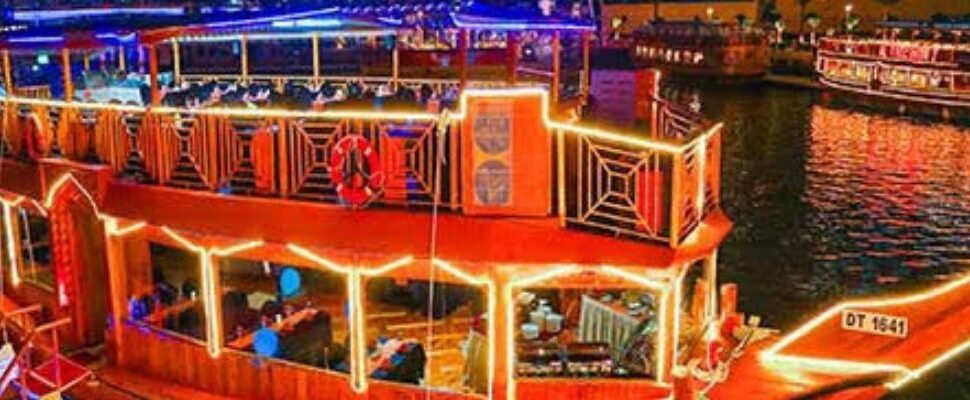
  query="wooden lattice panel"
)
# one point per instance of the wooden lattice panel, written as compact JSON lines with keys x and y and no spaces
{"x":309,"y":150}
{"x":618,"y":189}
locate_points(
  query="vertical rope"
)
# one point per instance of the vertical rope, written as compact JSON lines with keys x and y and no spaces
{"x":440,"y":132}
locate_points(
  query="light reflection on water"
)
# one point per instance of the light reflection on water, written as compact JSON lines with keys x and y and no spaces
{"x":833,"y":204}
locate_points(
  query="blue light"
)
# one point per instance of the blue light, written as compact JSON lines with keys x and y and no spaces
{"x":43,"y":15}
{"x":37,"y":39}
{"x":266,"y":342}
{"x":289,"y":282}
{"x":309,"y":23}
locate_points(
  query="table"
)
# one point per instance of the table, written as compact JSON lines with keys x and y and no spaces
{"x":607,"y":323}
{"x":286,"y":324}
{"x":159,"y":315}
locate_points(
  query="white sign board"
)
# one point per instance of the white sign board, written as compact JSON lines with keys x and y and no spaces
{"x":877,"y":324}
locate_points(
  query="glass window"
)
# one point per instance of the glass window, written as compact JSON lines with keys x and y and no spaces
{"x":398,"y":313}
{"x":288,"y":312}
{"x":586,"y":333}
{"x":173,"y":301}
{"x":36,"y":257}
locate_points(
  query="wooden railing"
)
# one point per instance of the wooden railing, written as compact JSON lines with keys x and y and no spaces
{"x":642,"y":192}
{"x":656,"y":189}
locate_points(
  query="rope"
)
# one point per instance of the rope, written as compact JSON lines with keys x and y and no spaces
{"x":440,"y":130}
{"x":3,"y":149}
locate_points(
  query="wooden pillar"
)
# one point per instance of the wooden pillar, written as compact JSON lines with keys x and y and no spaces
{"x":156,"y":95}
{"x":121,"y":58}
{"x":556,"y":68}
{"x":561,"y":175}
{"x":463,"y":39}
{"x":244,"y":57}
{"x":513,"y":46}
{"x":176,"y":62}
{"x":117,"y":286}
{"x":214,"y":296}
{"x":584,"y":79}
{"x":395,"y":68}
{"x":8,"y":74}
{"x":68,"y":81}
{"x":503,"y":341}
{"x":316,"y":56}
{"x":358,"y":337}
{"x":710,"y":266}
{"x":669,"y":340}
{"x":675,"y":200}
{"x":12,"y":235}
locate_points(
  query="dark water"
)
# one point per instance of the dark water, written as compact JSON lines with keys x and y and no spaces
{"x":831,"y":204}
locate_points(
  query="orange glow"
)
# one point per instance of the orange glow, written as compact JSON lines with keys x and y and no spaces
{"x":773,"y":353}
{"x":8,"y":216}
{"x":461,"y":114}
{"x":561,"y":271}
{"x":213,"y":323}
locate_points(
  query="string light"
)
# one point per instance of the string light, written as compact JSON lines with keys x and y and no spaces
{"x":773,"y":353}
{"x":8,"y":207}
{"x":370,"y":115}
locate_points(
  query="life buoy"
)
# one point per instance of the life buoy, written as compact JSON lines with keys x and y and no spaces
{"x":355,"y":169}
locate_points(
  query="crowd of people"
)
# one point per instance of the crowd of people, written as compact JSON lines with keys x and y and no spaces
{"x":306,"y":95}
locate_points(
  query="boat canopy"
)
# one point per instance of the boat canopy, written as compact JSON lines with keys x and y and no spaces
{"x":99,"y":28}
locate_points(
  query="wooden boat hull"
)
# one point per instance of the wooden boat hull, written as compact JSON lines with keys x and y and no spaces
{"x":947,"y":109}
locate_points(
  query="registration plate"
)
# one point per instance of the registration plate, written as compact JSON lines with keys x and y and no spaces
{"x":874,"y":323}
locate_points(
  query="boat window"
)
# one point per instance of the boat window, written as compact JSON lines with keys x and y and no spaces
{"x":293,"y":313}
{"x":356,"y":56}
{"x":281,"y":57}
{"x":592,"y":333}
{"x":171,"y":299}
{"x":36,"y":257}
{"x":410,"y":341}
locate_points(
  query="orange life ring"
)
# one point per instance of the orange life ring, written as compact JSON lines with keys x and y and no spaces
{"x":355,"y":169}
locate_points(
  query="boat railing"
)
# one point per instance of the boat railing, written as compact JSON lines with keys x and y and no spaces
{"x":917,"y":53}
{"x":908,"y":79}
{"x":637,"y":187}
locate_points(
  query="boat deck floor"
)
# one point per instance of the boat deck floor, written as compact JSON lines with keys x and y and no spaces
{"x":823,"y":357}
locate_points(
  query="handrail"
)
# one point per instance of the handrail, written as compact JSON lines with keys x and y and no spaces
{"x":659,"y":188}
{"x":18,"y":360}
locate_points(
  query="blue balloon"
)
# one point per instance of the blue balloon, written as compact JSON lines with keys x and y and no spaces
{"x":289,"y":282}
{"x":266,"y":342}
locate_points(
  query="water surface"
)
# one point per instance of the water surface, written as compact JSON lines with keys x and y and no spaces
{"x":831,"y":204}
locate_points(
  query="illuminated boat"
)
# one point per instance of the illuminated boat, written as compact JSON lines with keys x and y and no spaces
{"x":721,"y":50}
{"x":345,"y":225}
{"x":921,"y":67}
{"x":286,"y":231}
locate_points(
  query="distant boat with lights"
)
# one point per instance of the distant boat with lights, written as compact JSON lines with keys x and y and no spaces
{"x":721,"y":50}
{"x":918,"y":67}
{"x":274,"y":206}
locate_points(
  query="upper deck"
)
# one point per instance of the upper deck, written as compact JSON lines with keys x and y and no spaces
{"x":500,"y":153}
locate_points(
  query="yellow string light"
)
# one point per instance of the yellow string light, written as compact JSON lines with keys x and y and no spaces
{"x":460,"y":114}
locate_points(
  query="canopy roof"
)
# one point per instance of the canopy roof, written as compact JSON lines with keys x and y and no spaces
{"x":94,"y":28}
